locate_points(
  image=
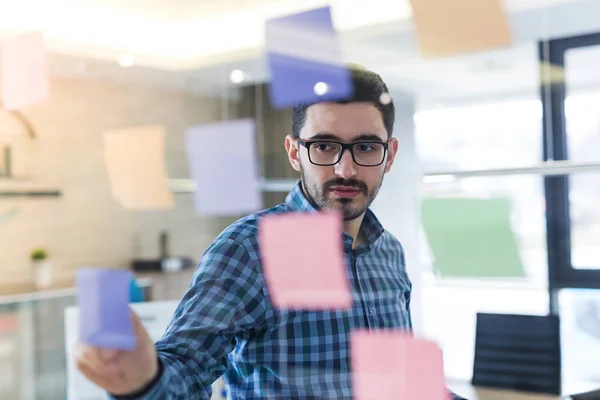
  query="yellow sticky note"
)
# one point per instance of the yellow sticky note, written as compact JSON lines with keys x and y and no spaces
{"x":451,"y":27}
{"x":136,"y":167}
{"x":25,"y":77}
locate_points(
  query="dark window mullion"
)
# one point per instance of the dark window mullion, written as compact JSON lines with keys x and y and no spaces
{"x":554,"y":141}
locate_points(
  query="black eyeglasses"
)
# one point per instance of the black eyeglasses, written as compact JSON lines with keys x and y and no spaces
{"x":329,"y":152}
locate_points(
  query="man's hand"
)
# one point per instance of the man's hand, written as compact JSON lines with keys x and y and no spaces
{"x":120,"y":372}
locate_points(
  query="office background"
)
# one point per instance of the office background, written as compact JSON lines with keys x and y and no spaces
{"x":508,"y":135}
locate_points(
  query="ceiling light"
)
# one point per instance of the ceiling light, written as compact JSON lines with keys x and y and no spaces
{"x":237,"y":76}
{"x":126,"y":60}
{"x":320,"y":88}
{"x":385,"y":99}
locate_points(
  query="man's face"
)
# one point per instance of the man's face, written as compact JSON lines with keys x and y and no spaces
{"x":346,"y":186}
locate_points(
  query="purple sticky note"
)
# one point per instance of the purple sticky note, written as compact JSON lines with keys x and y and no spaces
{"x":223,"y":161}
{"x":104,"y":316}
{"x":305,"y":60}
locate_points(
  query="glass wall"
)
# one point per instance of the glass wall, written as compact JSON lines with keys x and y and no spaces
{"x":32,"y":348}
{"x":484,"y":234}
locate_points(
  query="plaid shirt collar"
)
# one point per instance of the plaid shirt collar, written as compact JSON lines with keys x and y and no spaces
{"x":298,"y":202}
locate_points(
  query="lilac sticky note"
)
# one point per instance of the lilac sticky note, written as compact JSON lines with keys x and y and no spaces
{"x":222,"y":160}
{"x":303,"y":262}
{"x":305,"y":59}
{"x":24,"y":70}
{"x":391,"y":364}
{"x":103,"y":297}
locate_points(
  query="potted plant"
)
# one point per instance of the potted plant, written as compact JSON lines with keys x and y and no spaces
{"x":42,"y":267}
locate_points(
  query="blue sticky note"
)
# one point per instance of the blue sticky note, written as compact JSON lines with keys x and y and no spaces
{"x":305,"y":60}
{"x":104,"y":316}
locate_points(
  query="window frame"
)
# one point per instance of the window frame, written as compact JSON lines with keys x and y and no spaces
{"x":561,"y":273}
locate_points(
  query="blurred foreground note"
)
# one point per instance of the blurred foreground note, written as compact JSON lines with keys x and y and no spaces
{"x":303,"y":262}
{"x":25,"y":77}
{"x":472,"y":237}
{"x":223,"y":162}
{"x":391,"y":364}
{"x":103,"y":298}
{"x":135,"y":161}
{"x":305,"y":59}
{"x":451,"y":27}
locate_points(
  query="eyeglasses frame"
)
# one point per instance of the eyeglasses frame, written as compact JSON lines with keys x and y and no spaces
{"x":345,"y":146}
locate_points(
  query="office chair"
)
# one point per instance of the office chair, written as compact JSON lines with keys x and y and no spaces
{"x":518,"y":352}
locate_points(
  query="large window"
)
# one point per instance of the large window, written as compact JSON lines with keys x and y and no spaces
{"x":481,"y":136}
{"x":572,"y":132}
{"x":484,"y":238}
{"x":583,"y":140}
{"x":550,"y":221}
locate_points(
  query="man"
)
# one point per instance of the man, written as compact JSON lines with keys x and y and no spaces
{"x":226,"y":325}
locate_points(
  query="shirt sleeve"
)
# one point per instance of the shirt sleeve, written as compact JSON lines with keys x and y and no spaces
{"x":408,"y":293}
{"x":225,"y":298}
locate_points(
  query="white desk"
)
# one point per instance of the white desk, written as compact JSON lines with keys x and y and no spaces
{"x":469,"y":392}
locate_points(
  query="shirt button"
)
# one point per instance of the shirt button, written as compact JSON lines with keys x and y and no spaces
{"x":370,"y":311}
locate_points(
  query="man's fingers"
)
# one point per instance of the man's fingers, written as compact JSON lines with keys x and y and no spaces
{"x":93,"y":375}
{"x":93,"y":358}
{"x":108,"y":355}
{"x":138,"y":327}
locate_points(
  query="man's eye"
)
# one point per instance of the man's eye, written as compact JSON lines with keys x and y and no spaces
{"x":366,"y":147}
{"x":324,"y":146}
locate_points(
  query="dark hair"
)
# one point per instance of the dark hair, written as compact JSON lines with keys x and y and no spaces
{"x":368,"y":87}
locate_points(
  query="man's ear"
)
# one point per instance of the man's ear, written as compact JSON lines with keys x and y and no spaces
{"x":293,"y":152}
{"x":391,"y":154}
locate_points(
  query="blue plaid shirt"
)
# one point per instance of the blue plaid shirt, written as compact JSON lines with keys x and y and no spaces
{"x":226,"y":325}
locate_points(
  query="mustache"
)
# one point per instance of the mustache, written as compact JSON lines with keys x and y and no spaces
{"x":346,"y":182}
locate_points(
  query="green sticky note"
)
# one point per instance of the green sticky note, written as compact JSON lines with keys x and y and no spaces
{"x":472,"y":237}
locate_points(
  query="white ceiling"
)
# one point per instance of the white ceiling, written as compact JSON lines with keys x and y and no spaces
{"x":194,"y":44}
{"x":175,"y":34}
{"x":172,"y":34}
{"x":175,"y":10}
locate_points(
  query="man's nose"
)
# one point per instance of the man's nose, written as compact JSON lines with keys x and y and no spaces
{"x":345,"y":168}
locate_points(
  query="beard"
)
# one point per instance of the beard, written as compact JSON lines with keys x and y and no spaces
{"x":350,"y":208}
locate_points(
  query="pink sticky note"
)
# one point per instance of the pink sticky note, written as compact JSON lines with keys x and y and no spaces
{"x":303,"y":261}
{"x":391,"y":364}
{"x":24,"y":71}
